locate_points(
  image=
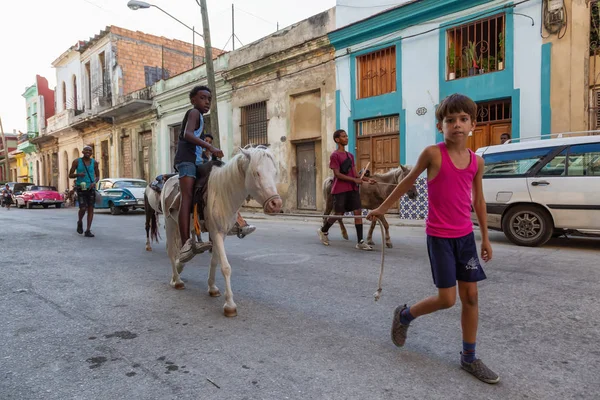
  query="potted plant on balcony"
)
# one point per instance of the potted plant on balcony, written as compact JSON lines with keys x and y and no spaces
{"x":471,"y":56}
{"x":451,"y":62}
{"x":501,"y":51}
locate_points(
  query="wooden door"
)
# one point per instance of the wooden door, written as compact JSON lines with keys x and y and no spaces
{"x":127,"y":171}
{"x":382,"y":151}
{"x":105,"y":165}
{"x":146,"y":155}
{"x":487,"y":135}
{"x":496,"y":130}
{"x":307,"y":176}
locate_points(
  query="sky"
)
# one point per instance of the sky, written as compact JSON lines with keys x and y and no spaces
{"x":33,"y":33}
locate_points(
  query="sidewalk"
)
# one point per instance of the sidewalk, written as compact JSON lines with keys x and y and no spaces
{"x":256,"y":214}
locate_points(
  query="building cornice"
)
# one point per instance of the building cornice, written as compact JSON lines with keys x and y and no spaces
{"x":278,"y":60}
{"x":398,"y":18}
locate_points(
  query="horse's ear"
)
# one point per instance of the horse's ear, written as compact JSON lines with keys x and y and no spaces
{"x":245,"y":152}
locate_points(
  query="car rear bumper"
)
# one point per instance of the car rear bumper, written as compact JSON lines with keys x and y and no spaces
{"x":45,"y":201}
{"x":125,"y":203}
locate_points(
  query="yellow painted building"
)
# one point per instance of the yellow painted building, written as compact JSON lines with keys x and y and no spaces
{"x":572,"y":48}
{"x":22,"y":167}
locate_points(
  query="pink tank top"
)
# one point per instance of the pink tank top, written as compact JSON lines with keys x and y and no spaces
{"x":450,"y":198}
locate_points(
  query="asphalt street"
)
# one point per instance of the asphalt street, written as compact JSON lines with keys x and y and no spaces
{"x":95,"y":318}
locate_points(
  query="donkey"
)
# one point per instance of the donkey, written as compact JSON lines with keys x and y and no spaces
{"x":251,"y":172}
{"x":371,"y":197}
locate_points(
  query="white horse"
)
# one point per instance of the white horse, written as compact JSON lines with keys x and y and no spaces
{"x":252,"y":172}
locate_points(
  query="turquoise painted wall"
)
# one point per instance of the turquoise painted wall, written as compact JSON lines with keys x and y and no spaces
{"x":377,"y":106}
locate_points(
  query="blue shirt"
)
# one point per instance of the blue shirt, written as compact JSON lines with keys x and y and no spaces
{"x":89,"y":172}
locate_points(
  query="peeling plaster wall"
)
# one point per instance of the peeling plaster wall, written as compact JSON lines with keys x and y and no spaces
{"x":291,"y":73}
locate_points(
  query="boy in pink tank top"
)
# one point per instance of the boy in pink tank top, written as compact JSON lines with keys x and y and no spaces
{"x":454,"y":181}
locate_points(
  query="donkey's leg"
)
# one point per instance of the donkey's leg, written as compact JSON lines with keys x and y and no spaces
{"x":173,"y":247}
{"x":386,"y":226}
{"x":213,"y":290}
{"x":229,"y":309}
{"x":370,"y":235}
{"x":343,"y":228}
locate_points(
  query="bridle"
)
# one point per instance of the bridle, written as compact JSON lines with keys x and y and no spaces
{"x":275,"y":196}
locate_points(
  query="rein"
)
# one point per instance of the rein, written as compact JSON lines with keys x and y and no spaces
{"x":377,"y":294}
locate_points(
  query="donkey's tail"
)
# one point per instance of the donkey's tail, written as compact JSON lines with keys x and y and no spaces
{"x":153,"y":216}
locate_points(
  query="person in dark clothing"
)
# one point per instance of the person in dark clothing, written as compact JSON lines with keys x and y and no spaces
{"x":188,"y":155}
{"x":86,"y":174}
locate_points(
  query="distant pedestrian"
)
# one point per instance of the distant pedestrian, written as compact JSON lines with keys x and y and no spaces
{"x":86,"y":174}
{"x":346,"y":196}
{"x":505,"y":137}
{"x":7,"y":197}
{"x":454,"y":180}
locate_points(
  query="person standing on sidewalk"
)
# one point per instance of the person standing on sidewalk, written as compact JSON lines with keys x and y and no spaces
{"x":7,"y":197}
{"x":454,"y":177}
{"x":346,"y":197}
{"x":86,"y":174}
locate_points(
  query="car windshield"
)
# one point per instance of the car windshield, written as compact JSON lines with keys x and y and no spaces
{"x":40,"y":188}
{"x":128,"y":184}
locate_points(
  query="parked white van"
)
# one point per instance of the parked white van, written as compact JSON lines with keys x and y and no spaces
{"x":537,"y":189}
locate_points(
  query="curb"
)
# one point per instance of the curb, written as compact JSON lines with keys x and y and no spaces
{"x":392,"y":221}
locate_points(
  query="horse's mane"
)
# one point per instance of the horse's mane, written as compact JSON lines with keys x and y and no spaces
{"x":226,"y":190}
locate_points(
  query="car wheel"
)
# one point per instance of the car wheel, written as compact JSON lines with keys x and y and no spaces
{"x":29,"y":206}
{"x":528,"y":225}
{"x":114,"y":210}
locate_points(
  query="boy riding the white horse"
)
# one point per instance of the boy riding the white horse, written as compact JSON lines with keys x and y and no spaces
{"x":189,"y":154}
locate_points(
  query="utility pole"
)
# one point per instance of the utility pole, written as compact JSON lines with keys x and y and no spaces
{"x":210,"y":72}
{"x":233,"y":26}
{"x":5,"y":147}
{"x":193,"y":47}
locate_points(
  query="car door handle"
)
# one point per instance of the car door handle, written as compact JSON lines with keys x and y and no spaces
{"x":540,"y":183}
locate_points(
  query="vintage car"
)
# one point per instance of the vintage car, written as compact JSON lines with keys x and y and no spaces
{"x":121,"y":194}
{"x":35,"y":195}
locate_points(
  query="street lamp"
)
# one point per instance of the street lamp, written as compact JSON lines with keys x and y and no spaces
{"x":210,"y":72}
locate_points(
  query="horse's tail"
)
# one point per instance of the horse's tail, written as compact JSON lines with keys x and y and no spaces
{"x":151,"y":214}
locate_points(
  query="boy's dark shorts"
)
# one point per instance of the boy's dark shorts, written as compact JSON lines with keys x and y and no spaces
{"x":86,"y":198}
{"x":454,"y":260}
{"x":346,"y":201}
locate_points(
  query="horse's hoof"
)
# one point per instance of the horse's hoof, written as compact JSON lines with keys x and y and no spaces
{"x":389,"y":245}
{"x":214,"y":293}
{"x":230,"y":311}
{"x":178,"y":285}
{"x":148,"y":248}
{"x":345,"y":235}
{"x":370,"y":243}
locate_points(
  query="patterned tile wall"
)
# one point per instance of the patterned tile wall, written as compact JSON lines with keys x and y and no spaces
{"x":417,"y":208}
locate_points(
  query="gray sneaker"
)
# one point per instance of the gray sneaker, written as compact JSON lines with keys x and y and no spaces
{"x":201,"y":247}
{"x":187,"y":252}
{"x":399,"y":330}
{"x":480,"y":371}
{"x":363,"y":246}
{"x":323,"y":236}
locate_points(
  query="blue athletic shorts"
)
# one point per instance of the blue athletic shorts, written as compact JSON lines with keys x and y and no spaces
{"x":454,"y":260}
{"x":186,"y":169}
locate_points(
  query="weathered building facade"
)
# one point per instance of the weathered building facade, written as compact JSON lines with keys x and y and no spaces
{"x":106,"y":95}
{"x":283,"y":96}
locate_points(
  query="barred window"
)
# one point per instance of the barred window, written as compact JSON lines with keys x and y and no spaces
{"x":254,"y":124}
{"x":476,"y":48}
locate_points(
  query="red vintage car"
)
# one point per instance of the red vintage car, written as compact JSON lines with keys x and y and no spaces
{"x":40,"y":196}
